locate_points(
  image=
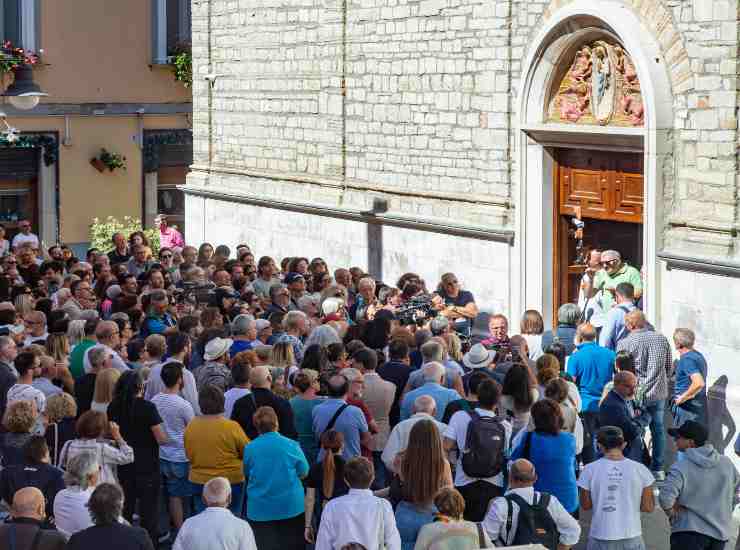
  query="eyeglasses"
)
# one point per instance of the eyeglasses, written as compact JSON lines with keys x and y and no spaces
{"x":166,"y":256}
{"x":450,"y":283}
{"x":608,"y":263}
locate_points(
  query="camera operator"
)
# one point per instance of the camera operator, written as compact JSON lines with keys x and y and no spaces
{"x":456,"y":304}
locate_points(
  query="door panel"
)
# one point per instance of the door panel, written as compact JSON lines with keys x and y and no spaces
{"x":604,"y":189}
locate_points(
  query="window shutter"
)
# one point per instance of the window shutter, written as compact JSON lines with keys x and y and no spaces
{"x":10,"y":21}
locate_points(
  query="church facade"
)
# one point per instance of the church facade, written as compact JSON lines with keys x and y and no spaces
{"x":468,"y":135}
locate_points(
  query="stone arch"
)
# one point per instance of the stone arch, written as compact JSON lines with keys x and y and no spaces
{"x":658,"y":19}
{"x":572,"y":23}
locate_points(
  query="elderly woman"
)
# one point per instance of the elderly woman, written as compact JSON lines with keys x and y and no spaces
{"x":214,"y":446}
{"x":20,"y":420}
{"x":450,"y":527}
{"x":61,"y":410}
{"x":274,"y":466}
{"x":568,"y":318}
{"x":70,"y":505}
{"x":91,"y":427}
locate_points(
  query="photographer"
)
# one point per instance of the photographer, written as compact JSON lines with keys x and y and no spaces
{"x":456,"y":304}
{"x":158,"y":319}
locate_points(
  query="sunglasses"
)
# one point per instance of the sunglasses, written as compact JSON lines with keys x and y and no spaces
{"x":608,"y":263}
{"x":166,"y":256}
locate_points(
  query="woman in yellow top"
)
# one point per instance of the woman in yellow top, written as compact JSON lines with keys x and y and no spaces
{"x":215,"y":448}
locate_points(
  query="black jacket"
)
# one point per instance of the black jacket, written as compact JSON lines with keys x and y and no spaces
{"x":615,"y":411}
{"x":244,"y":409}
{"x":7,"y":381}
{"x":26,"y":530}
{"x":111,"y":537}
{"x":398,"y":373}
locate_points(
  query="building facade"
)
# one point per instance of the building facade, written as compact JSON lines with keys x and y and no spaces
{"x":105,"y":67}
{"x":465,"y":135}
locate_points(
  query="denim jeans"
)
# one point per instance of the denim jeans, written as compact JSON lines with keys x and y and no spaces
{"x":380,"y":481}
{"x":410,"y":520}
{"x":656,"y":410}
{"x":590,"y":427}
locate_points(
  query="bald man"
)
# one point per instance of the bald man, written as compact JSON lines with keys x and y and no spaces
{"x":263,"y":396}
{"x":521,"y":493}
{"x":216,"y":526}
{"x":28,"y":514}
{"x":618,"y":410}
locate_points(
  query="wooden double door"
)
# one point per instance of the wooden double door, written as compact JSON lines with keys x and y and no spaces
{"x":606,"y":191}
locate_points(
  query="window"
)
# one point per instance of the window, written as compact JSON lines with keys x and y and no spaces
{"x":170,"y":29}
{"x":19,"y":23}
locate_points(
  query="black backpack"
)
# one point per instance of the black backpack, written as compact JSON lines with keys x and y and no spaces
{"x":535,"y":525}
{"x":485,"y":441}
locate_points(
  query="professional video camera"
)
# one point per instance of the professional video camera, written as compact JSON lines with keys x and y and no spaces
{"x":195,"y":293}
{"x":416,"y":311}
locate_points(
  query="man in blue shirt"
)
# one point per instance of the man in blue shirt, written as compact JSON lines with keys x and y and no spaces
{"x":434,"y":376}
{"x":689,"y":394}
{"x":592,"y":367}
{"x":614,"y":329}
{"x":336,"y":414}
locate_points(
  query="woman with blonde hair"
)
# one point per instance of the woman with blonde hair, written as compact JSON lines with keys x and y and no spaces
{"x":449,"y":530}
{"x":57,"y":346}
{"x":24,"y":304}
{"x":105,"y":383}
{"x":61,"y":410}
{"x":531,"y":328}
{"x":75,"y":332}
{"x":19,"y":421}
{"x":422,"y":471}
{"x":454,"y":347}
{"x":283,"y":362}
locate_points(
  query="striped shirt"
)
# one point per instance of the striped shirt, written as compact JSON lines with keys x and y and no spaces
{"x":652,"y":353}
{"x":109,"y":456}
{"x":176,"y":414}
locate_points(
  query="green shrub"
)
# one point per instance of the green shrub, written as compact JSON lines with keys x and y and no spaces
{"x":101,"y":232}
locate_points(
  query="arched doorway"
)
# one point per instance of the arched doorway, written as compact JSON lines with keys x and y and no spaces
{"x":552,"y":147}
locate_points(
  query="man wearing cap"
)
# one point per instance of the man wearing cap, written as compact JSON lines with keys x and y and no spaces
{"x":699,"y":492}
{"x":480,"y":359}
{"x":215,"y":371}
{"x":613,"y":272}
{"x":264,"y":332}
{"x":297,"y":288}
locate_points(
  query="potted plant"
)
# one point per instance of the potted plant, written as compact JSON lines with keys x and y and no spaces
{"x":181,"y":62}
{"x":12,"y":57}
{"x":108,"y":160}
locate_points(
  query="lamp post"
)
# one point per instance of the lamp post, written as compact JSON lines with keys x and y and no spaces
{"x":24,"y":94}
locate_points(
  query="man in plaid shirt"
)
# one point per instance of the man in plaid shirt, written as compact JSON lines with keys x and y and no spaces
{"x":652,"y":354}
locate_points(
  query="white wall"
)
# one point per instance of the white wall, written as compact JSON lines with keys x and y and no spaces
{"x":481,"y":266}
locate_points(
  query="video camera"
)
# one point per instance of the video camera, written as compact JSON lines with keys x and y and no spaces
{"x":195,"y":293}
{"x":416,"y":311}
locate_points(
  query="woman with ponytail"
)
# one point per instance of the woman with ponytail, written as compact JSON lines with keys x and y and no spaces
{"x":325,"y":480}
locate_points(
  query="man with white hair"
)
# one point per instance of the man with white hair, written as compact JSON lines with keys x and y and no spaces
{"x":243,"y":333}
{"x":434,"y":378}
{"x":108,"y":337}
{"x":216,"y":526}
{"x":398,"y":440}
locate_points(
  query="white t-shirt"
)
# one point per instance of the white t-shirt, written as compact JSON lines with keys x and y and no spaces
{"x":616,"y":490}
{"x":20,"y":238}
{"x":457,"y":429}
{"x":176,"y":414}
{"x":231,"y":396}
{"x":26,"y":392}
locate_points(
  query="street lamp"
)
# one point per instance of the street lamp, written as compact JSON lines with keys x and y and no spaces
{"x":24,"y":94}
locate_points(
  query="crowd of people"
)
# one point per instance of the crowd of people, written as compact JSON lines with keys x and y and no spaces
{"x":215,"y":400}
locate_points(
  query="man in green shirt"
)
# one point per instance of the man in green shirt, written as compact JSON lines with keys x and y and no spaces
{"x":76,"y":358}
{"x":613,"y":272}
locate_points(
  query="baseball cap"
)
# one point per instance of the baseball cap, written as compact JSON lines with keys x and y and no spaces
{"x":691,"y":430}
{"x":261,"y":324}
{"x":292,"y":277}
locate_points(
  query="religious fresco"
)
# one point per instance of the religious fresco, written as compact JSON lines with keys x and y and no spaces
{"x":601,"y":87}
